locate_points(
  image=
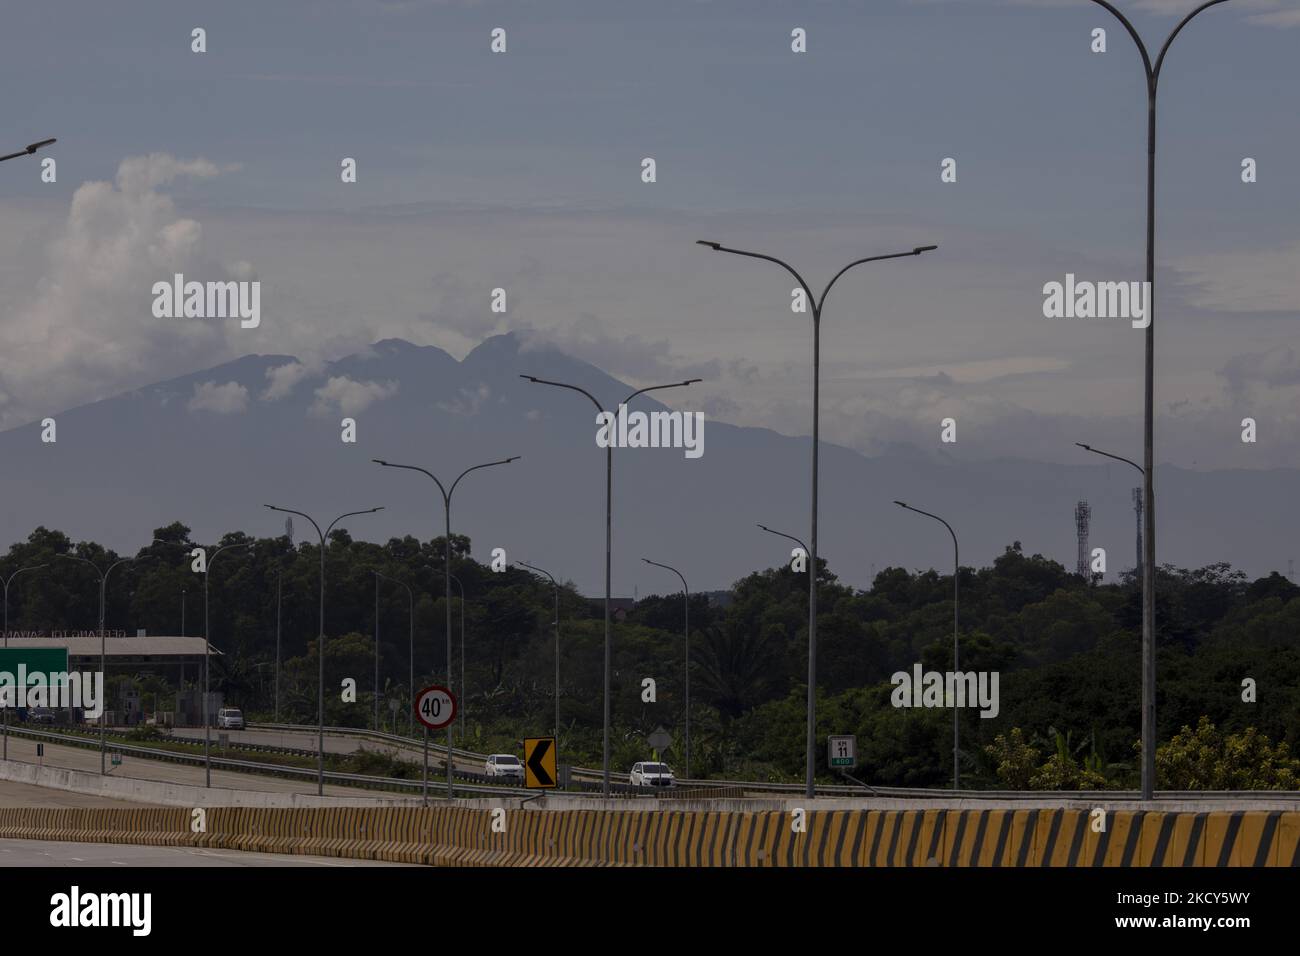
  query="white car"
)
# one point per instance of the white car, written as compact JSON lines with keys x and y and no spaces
{"x":230,"y":718}
{"x":650,"y":774}
{"x":504,"y":765}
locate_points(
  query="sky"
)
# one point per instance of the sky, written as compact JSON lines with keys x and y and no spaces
{"x":522,"y":170}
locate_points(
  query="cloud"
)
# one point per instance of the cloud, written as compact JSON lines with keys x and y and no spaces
{"x":143,"y":174}
{"x":1276,"y":368}
{"x":221,"y":399}
{"x":627,"y":355}
{"x":349,"y":396}
{"x":468,"y":401}
{"x":283,"y":379}
{"x":88,"y":326}
{"x":1271,"y":13}
{"x":467,"y":309}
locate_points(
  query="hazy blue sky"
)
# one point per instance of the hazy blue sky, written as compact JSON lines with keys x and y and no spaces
{"x":522,"y":170}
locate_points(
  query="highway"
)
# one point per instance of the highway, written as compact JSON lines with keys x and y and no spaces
{"x":13,"y":794}
{"x":85,"y":759}
{"x":78,"y":855}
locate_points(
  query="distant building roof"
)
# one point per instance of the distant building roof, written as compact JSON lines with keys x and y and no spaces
{"x":119,"y":646}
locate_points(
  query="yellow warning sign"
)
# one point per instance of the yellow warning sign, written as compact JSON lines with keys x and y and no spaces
{"x":539,"y":763}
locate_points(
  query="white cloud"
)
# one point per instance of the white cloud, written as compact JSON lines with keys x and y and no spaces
{"x":1252,"y":280}
{"x":143,"y":174}
{"x":221,"y":399}
{"x":282,"y":380}
{"x":87,"y":328}
{"x":349,"y":396}
{"x":468,"y":401}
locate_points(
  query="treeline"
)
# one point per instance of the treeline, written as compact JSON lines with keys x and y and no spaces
{"x":1068,"y":653}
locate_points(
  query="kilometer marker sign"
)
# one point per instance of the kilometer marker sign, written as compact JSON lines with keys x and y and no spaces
{"x":435,"y":707}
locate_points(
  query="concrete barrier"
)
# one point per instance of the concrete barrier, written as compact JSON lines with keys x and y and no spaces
{"x":461,"y":836}
{"x":467,"y":833}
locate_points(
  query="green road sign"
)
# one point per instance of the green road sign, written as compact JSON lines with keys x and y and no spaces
{"x":42,"y":660}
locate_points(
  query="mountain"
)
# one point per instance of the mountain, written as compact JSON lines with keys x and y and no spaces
{"x":210,"y":448}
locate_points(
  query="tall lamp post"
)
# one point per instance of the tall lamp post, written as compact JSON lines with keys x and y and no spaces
{"x":103,"y":587}
{"x":609,"y":522}
{"x":279,"y":581}
{"x":556,"y":729}
{"x":447,"y":492}
{"x":816,"y":304}
{"x":207,"y":655}
{"x":463,"y":692}
{"x":956,"y":574}
{"x":7,"y":581}
{"x":28,"y":150}
{"x":410,"y":595}
{"x":320,"y":641}
{"x":1148,"y":471}
{"x":376,"y":692}
{"x":686,"y":594}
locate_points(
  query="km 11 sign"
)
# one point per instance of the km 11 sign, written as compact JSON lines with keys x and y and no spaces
{"x":435,"y":707}
{"x":842,"y":751}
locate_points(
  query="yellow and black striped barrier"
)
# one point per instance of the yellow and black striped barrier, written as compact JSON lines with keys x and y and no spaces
{"x":457,"y":836}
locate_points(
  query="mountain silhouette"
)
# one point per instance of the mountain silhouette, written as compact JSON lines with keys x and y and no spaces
{"x":210,"y":448}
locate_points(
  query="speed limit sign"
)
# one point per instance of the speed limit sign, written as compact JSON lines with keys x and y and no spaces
{"x":435,"y":707}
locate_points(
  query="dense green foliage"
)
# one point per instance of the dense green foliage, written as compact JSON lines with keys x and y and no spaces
{"x":1067,"y":652}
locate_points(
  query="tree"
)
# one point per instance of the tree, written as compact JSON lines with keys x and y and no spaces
{"x":1205,"y":759}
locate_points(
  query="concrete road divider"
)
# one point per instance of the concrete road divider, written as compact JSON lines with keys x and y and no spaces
{"x":462,"y":836}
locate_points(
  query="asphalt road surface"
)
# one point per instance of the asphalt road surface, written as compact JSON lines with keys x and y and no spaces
{"x":80,"y":758}
{"x":59,"y":854}
{"x":25,"y":795}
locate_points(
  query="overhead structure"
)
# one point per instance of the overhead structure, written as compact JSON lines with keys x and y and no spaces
{"x":1082,"y":517}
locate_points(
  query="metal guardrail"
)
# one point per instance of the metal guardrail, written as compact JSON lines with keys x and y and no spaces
{"x":617,"y":780}
{"x":751,"y":786}
{"x":436,"y":785}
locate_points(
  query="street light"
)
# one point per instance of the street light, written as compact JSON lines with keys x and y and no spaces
{"x":609,"y":522}
{"x":207,"y":654}
{"x":28,"y":150}
{"x":460,"y":587}
{"x":686,"y":594}
{"x":817,"y":304}
{"x":556,"y":587}
{"x":411,"y":673}
{"x":34,"y":567}
{"x":784,"y":535}
{"x":320,"y":642}
{"x":1148,"y":476}
{"x":103,"y":669}
{"x":446,"y":505}
{"x":956,"y":573}
{"x":1098,"y":451}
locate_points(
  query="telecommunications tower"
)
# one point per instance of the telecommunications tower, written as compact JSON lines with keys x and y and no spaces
{"x":1082,"y":515}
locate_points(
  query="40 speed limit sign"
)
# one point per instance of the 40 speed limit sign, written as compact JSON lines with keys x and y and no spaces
{"x":435,"y":707}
